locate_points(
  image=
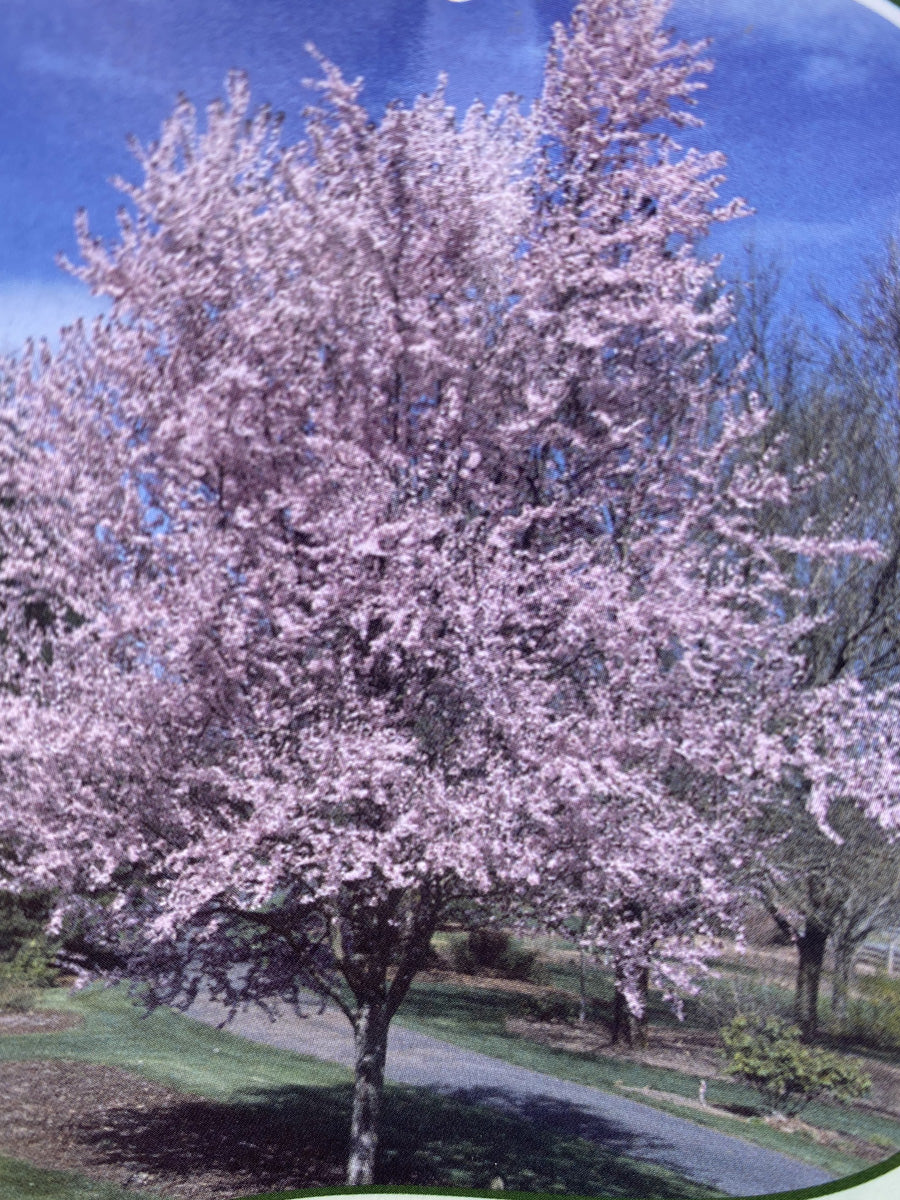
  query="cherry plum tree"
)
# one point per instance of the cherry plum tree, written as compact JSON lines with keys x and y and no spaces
{"x":385,"y":553}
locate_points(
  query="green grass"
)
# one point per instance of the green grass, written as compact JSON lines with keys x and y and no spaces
{"x":165,"y":1047}
{"x":427,"y":1140}
{"x":21,"y":1181}
{"x":475,"y":1019}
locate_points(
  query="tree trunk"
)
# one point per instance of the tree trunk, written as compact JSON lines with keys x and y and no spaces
{"x":582,"y":988}
{"x":626,"y":1027}
{"x":844,"y":953}
{"x":370,"y":1028}
{"x":811,"y":954}
{"x":621,"y":1022}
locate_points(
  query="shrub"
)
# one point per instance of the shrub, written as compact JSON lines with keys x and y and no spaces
{"x":873,"y":1017}
{"x":32,"y":965}
{"x":22,"y":918}
{"x":769,"y":1056}
{"x":16,"y":996}
{"x":561,"y":1007}
{"x":722,"y":998}
{"x":488,"y":947}
{"x":492,"y":950}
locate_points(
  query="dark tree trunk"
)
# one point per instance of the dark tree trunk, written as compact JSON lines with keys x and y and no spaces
{"x":811,"y":955}
{"x":582,"y":988}
{"x":370,"y":1030}
{"x":378,"y":949}
{"x":627,"y":1029}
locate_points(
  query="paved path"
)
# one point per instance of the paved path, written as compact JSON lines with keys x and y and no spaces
{"x":619,"y":1125}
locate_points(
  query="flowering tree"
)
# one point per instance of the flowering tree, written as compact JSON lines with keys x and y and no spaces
{"x":382,"y":550}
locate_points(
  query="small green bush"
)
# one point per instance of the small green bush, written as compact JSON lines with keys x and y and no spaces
{"x":492,"y":951}
{"x":558,"y":1007}
{"x":769,"y":1056}
{"x":23,"y":916}
{"x":488,"y":947}
{"x":16,"y":996}
{"x":873,"y":1017}
{"x":32,"y":965}
{"x":30,"y":969}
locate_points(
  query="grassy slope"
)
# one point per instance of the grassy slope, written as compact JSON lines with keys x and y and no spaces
{"x":427,"y":1140}
{"x":474,"y":1019}
{"x":21,"y":1181}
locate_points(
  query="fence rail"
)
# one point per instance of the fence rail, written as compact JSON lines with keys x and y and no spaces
{"x":882,"y":952}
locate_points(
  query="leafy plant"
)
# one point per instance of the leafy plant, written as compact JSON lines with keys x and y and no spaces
{"x":15,"y":996}
{"x":492,"y":950}
{"x":770,"y":1057}
{"x":561,"y":1007}
{"x":873,"y":1017}
{"x":22,"y":917}
{"x":32,"y":965}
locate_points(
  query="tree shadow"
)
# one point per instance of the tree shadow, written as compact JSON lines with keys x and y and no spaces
{"x":287,"y":1137}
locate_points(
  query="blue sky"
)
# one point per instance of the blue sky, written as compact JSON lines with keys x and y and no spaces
{"x":804,"y":101}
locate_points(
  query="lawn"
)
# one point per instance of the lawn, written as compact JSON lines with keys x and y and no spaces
{"x":21,"y":1181}
{"x":216,"y":1093}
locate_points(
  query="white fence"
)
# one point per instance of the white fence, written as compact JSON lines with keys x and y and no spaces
{"x":882,"y":952}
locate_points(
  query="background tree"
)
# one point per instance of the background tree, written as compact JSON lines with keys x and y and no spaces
{"x":834,"y":403}
{"x":872,"y":905}
{"x":820,"y":890}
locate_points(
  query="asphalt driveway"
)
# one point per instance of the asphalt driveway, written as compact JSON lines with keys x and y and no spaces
{"x":622,"y":1126}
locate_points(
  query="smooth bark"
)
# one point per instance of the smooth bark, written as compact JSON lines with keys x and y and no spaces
{"x":370,"y":1029}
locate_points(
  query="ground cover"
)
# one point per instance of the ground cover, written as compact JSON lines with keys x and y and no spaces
{"x":170,"y":1108}
{"x":22,"y":1181}
{"x":486,"y":1015}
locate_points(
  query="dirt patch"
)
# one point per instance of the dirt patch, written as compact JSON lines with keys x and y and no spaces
{"x":111,"y":1125}
{"x":843,"y":1142}
{"x":495,"y":983}
{"x":688,"y":1050}
{"x":885,"y":1093}
{"x":37,"y":1022}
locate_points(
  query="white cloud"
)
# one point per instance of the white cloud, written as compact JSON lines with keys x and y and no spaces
{"x":31,"y":308}
{"x":790,"y":234}
{"x":834,"y":43}
{"x":90,"y":69}
{"x":803,"y":21}
{"x":831,"y":71}
{"x":480,"y":45}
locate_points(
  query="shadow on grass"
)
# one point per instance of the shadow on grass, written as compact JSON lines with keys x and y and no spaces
{"x":296,"y":1137}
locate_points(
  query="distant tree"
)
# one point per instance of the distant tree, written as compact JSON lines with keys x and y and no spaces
{"x":834,"y":397}
{"x":822,"y":888}
{"x":835,"y":419}
{"x":872,"y":905}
